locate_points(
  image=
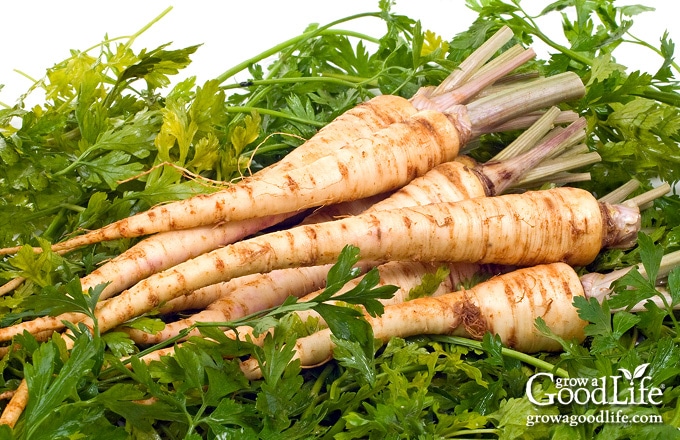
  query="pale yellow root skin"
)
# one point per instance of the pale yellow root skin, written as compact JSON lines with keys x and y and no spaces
{"x":242,"y":296}
{"x":448,"y":182}
{"x":405,"y":275}
{"x":563,"y":224}
{"x":11,"y":285}
{"x":358,"y":122}
{"x":166,"y":249}
{"x":16,"y":405}
{"x":154,"y":254}
{"x":37,"y":325}
{"x":506,"y":305}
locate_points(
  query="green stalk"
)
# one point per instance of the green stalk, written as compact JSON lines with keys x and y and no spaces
{"x":666,"y":265}
{"x":474,"y":62}
{"x":56,"y":222}
{"x":270,"y":148}
{"x":636,"y":40}
{"x":316,"y":388}
{"x":348,"y":81}
{"x":645,"y":199}
{"x":513,"y":354}
{"x":543,"y":172}
{"x":291,"y":45}
{"x":491,"y":111}
{"x":564,"y":178}
{"x":571,"y":151}
{"x":620,"y":194}
{"x":278,"y":114}
{"x":530,"y":136}
{"x":133,"y":37}
{"x":543,"y":37}
{"x":79,"y":160}
{"x":353,"y":79}
{"x":130,"y":38}
{"x":669,"y":98}
{"x":294,"y":42}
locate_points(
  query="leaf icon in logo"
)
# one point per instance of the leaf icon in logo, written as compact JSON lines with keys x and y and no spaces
{"x":636,"y":374}
{"x":640,"y":371}
{"x":627,"y":374}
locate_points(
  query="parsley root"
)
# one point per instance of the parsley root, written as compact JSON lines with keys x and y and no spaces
{"x":506,"y":305}
{"x":562,"y":224}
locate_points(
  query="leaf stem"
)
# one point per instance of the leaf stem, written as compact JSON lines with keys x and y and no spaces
{"x":316,"y":388}
{"x":543,"y":37}
{"x":292,"y":44}
{"x":670,"y":98}
{"x":297,"y":40}
{"x":646,"y":198}
{"x":76,"y":162}
{"x":636,"y":40}
{"x":341,"y":80}
{"x":528,"y":138}
{"x":133,"y":37}
{"x":649,"y":93}
{"x":514,"y":354}
{"x":621,"y":193}
{"x":278,"y":114}
{"x":543,"y":173}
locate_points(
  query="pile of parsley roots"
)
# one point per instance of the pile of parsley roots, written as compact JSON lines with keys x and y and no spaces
{"x":374,"y":236}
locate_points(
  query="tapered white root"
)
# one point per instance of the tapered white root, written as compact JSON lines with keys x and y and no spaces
{"x":506,"y":305}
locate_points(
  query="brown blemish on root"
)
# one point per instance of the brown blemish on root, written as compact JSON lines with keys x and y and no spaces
{"x":458,"y":116}
{"x":550,"y":204}
{"x":511,"y":337}
{"x":251,"y":254}
{"x":152,"y":299}
{"x":472,"y":318}
{"x":381,"y":112}
{"x":219,"y":264}
{"x":292,"y":184}
{"x":454,"y":174}
{"x":422,"y":128}
{"x":342,"y":168}
{"x":608,"y":224}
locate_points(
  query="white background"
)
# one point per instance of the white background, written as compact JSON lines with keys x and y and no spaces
{"x":37,"y":34}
